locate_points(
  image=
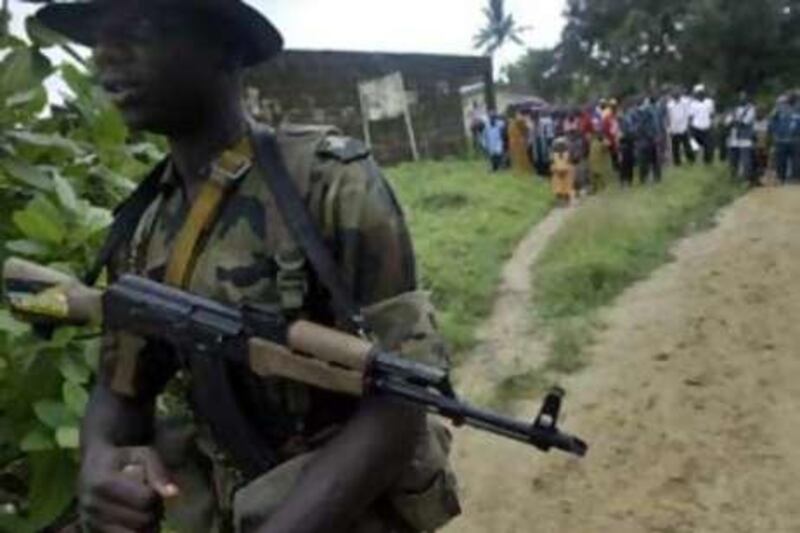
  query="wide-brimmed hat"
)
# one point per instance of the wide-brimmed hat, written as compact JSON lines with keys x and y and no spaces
{"x":255,"y":35}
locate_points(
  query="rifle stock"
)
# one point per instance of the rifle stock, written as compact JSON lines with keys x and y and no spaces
{"x":42,"y":295}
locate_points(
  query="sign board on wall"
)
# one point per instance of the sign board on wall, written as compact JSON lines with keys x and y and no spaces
{"x":386,"y":98}
{"x":383,"y":98}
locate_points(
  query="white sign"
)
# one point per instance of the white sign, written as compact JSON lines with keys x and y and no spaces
{"x":383,"y":98}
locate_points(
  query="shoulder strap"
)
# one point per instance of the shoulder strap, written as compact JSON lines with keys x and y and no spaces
{"x":126,"y":219}
{"x":298,"y":220}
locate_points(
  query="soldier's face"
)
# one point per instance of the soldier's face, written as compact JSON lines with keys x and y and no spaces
{"x":156,"y":71}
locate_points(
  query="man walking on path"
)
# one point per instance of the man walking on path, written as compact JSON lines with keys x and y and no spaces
{"x":493,"y":141}
{"x":702,"y":120}
{"x":679,"y":110}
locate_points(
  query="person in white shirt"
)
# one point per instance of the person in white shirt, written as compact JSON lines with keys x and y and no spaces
{"x":742,"y":140}
{"x":679,"y":110}
{"x":702,"y":120}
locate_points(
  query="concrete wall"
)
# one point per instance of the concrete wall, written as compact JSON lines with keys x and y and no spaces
{"x":320,"y":87}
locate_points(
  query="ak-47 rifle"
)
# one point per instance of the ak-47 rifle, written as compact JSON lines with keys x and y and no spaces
{"x":263,"y":341}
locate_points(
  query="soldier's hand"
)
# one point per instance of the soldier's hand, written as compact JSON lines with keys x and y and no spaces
{"x":122,"y":490}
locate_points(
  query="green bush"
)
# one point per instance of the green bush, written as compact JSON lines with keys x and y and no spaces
{"x":466,"y":222}
{"x":615,"y":240}
{"x":61,"y":170}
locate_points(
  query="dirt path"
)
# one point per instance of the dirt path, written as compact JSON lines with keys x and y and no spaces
{"x":505,"y":341}
{"x":691,"y":402}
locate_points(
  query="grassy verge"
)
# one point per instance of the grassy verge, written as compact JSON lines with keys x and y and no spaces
{"x":614,"y":241}
{"x":466,"y":223}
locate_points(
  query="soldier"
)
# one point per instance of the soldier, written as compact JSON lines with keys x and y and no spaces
{"x":210,"y":224}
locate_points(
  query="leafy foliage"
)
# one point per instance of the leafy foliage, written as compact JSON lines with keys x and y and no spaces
{"x":61,"y":170}
{"x":626,"y":46}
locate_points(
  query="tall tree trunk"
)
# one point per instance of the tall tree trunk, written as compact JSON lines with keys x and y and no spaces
{"x":5,"y":18}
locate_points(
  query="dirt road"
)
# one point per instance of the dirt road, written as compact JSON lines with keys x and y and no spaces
{"x":507,"y":336}
{"x":691,"y":402}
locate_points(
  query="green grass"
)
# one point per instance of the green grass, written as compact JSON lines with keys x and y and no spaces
{"x":465,"y":222}
{"x":614,"y":241}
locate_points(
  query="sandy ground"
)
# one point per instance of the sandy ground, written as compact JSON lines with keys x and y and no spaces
{"x":691,"y":403}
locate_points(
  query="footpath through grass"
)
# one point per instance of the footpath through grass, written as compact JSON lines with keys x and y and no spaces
{"x":466,"y":223}
{"x":614,"y":241}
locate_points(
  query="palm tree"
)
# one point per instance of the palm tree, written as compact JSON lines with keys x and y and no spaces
{"x":499,"y":30}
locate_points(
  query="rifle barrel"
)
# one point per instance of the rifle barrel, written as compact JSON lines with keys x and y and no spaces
{"x":544,"y":439}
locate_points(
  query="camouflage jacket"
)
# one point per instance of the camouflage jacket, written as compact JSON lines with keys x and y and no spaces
{"x":248,"y":257}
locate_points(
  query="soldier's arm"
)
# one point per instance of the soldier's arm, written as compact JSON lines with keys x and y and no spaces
{"x":116,"y":431}
{"x":361,"y":463}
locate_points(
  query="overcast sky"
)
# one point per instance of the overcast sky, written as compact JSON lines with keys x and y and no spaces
{"x":434,"y":26}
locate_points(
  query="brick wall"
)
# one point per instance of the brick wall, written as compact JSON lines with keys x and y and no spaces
{"x":320,"y":87}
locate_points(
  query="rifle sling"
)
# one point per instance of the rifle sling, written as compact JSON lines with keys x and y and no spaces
{"x":298,"y":220}
{"x":126,"y":219}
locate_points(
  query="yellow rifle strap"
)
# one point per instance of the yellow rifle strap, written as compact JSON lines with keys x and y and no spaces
{"x":226,"y":172}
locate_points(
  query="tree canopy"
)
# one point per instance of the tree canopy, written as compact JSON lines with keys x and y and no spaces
{"x":628,"y":46}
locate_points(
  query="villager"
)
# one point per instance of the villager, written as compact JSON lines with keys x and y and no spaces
{"x":600,"y":166}
{"x":477,"y":124}
{"x":627,"y":145}
{"x":679,"y":110}
{"x":784,"y":131}
{"x":494,"y":141}
{"x":649,"y":131}
{"x":518,"y":145}
{"x":702,"y":115}
{"x":741,"y":143}
{"x":611,"y":133}
{"x":545,"y":135}
{"x":563,"y":172}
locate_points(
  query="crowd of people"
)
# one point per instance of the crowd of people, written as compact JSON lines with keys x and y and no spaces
{"x":584,"y":149}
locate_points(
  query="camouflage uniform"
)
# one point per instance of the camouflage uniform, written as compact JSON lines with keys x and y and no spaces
{"x":248,"y":256}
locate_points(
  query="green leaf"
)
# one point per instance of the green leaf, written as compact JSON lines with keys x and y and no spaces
{"x":68,"y":438}
{"x":74,"y":371}
{"x":12,"y":326}
{"x":65,"y":192}
{"x":41,"y":35}
{"x":75,"y":397}
{"x":26,"y":174}
{"x":78,"y":82}
{"x":53,"y":414}
{"x":41,"y":221}
{"x":52,"y":487}
{"x":62,"y":337}
{"x":23,"y":69}
{"x":28,"y":248}
{"x":10,"y":522}
{"x":97,"y":219}
{"x":108,"y":129}
{"x":37,"y":440}
{"x":45,"y":140}
{"x":91,"y":353}
{"x":34,"y":99}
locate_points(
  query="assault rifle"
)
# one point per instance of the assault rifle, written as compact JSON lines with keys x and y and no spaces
{"x":262,"y":340}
